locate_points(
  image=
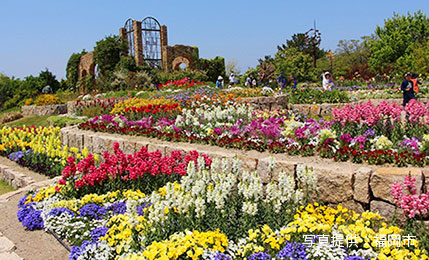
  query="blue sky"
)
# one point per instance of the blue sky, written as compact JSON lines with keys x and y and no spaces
{"x":43,"y":34}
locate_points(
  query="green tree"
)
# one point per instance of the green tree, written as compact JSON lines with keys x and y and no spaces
{"x":351,"y":57}
{"x":72,"y":69}
{"x":293,"y":62}
{"x":396,"y":38}
{"x":299,"y":41}
{"x":107,"y":53}
{"x":213,"y":67}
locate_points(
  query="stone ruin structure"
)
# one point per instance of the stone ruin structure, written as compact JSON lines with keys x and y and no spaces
{"x":148,"y":44}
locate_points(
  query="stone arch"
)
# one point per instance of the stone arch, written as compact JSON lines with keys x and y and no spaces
{"x":86,"y":67}
{"x":181,"y":59}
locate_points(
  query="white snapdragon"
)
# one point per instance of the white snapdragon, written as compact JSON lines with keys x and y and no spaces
{"x":250,"y":207}
{"x":306,"y":177}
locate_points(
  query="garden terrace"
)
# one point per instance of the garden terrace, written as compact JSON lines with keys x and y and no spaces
{"x":44,"y":110}
{"x":358,"y":187}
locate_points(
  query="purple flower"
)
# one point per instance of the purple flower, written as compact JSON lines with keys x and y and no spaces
{"x":346,"y":138}
{"x":30,"y":218}
{"x":370,"y":132}
{"x":76,"y":251}
{"x":259,"y":256}
{"x":16,"y":156}
{"x":293,"y":251}
{"x":118,"y":208}
{"x":140,"y":209}
{"x":59,"y":211}
{"x":93,"y":211}
{"x":219,"y":256}
{"x":98,"y":232}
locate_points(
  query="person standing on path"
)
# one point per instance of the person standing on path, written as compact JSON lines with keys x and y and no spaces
{"x":407,"y":88}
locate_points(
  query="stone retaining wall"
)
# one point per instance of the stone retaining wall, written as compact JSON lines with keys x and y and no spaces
{"x":44,"y":110}
{"x":14,"y":178}
{"x":358,"y":187}
{"x":279,"y":102}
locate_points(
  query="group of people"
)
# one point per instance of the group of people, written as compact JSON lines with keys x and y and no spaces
{"x":233,"y":81}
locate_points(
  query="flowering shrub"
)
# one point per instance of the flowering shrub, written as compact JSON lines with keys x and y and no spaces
{"x":47,"y":99}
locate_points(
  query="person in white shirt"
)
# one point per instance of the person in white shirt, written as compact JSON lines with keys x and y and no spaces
{"x":327,"y":82}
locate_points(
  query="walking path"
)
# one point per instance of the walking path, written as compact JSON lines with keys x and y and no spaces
{"x":16,"y":242}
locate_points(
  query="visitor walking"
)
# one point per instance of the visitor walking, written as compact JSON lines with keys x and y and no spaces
{"x":219,"y":82}
{"x":327,"y":81}
{"x":407,"y":88}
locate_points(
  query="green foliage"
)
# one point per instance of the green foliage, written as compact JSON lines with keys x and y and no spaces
{"x":63,"y":121}
{"x":298,"y":42}
{"x":293,"y":62}
{"x":107,"y":53}
{"x":163,"y":77}
{"x":5,"y":188}
{"x":396,"y":38}
{"x":127,"y":63}
{"x":314,"y":96}
{"x":352,"y":57}
{"x":47,"y":78}
{"x":32,"y":120}
{"x":213,"y":67}
{"x":72,"y":68}
{"x":417,"y":60}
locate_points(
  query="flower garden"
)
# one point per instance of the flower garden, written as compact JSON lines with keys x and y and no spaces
{"x":187,"y":205}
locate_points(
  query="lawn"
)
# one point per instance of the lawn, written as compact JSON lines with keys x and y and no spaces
{"x":10,"y":110}
{"x":31,"y":120}
{"x":5,"y":188}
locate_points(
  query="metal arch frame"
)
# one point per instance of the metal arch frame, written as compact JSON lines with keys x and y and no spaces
{"x":151,"y":39}
{"x":129,"y":31}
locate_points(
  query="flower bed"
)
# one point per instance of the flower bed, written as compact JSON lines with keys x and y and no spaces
{"x":211,"y":212}
{"x":38,"y":149}
{"x":363,"y":133}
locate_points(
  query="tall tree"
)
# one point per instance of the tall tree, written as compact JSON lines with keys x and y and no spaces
{"x":396,"y":38}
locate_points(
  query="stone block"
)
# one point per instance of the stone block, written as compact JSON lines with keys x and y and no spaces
{"x":286,"y":166}
{"x":140,"y":144}
{"x":248,"y":163}
{"x":99,"y":144}
{"x":156,"y":147}
{"x":71,"y":139}
{"x":263,"y":170}
{"x":1,"y":172}
{"x":334,"y":184}
{"x":129,"y":147}
{"x":79,"y":140}
{"x":425,"y":172}
{"x":386,"y":210}
{"x":87,"y":142}
{"x":361,"y":178}
{"x":6,"y":246}
{"x":383,"y":178}
{"x":10,"y":256}
{"x":351,"y":205}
